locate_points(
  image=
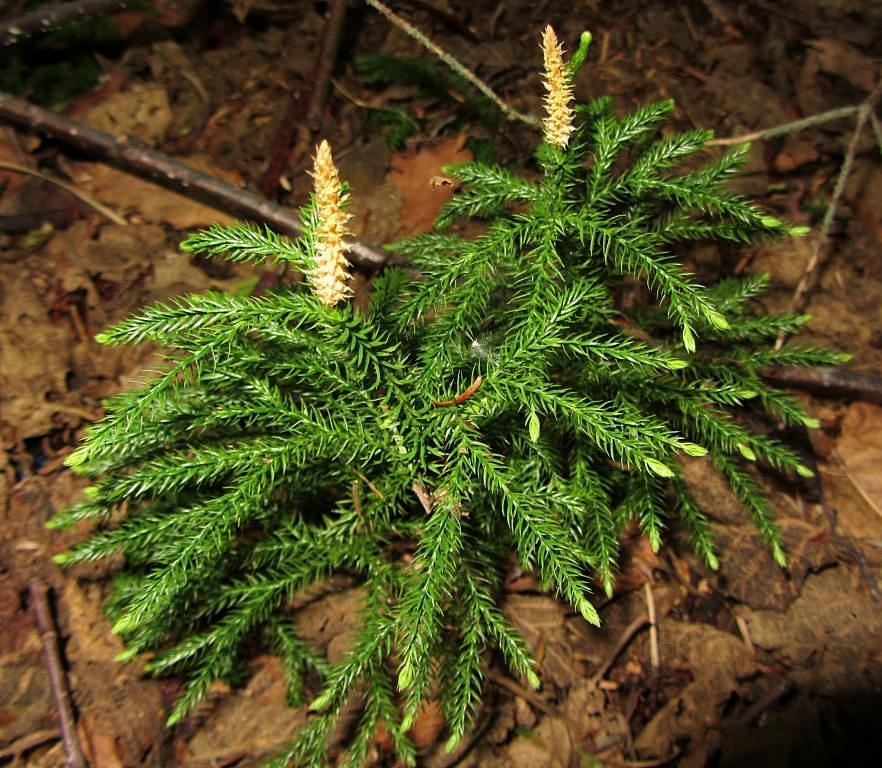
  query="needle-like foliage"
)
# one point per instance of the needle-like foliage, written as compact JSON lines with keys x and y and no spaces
{"x":496,"y":401}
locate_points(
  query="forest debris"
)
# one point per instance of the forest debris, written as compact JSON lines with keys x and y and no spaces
{"x":135,"y":157}
{"x":142,"y":110}
{"x":39,"y":597}
{"x":154,"y":204}
{"x":256,"y":714}
{"x":718,"y":662}
{"x":830,"y":621}
{"x":837,"y":57}
{"x":541,"y":620}
{"x":748,"y":564}
{"x":411,"y":172}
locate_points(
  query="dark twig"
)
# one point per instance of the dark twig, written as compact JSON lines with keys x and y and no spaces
{"x":627,"y":636}
{"x":46,"y":628}
{"x":773,"y":697}
{"x":26,"y":743}
{"x":326,"y":61}
{"x":132,"y":156}
{"x":828,"y":382}
{"x":51,"y":17}
{"x":518,"y":690}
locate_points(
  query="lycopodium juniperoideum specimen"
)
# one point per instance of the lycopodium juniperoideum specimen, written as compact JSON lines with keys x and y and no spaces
{"x":494,"y":401}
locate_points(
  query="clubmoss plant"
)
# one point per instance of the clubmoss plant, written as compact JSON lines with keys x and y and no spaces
{"x":495,"y":401}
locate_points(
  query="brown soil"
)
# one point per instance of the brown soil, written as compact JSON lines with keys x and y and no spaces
{"x":755,"y":666}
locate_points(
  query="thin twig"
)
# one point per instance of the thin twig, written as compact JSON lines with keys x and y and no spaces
{"x":456,"y":66}
{"x":518,"y":690}
{"x":785,"y":128}
{"x":326,"y":61}
{"x":655,"y":762}
{"x":26,"y":743}
{"x":773,"y":697}
{"x":828,"y":382}
{"x":46,"y":628}
{"x":877,"y":129}
{"x":69,"y":188}
{"x":51,"y":17}
{"x":819,"y":249}
{"x":627,"y":636}
{"x":744,"y":630}
{"x":132,"y":156}
{"x":653,"y":627}
{"x":422,"y":494}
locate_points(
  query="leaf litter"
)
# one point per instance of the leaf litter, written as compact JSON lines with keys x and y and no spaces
{"x":725,"y":641}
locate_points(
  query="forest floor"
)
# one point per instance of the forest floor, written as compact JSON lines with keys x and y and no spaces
{"x":752,"y":665}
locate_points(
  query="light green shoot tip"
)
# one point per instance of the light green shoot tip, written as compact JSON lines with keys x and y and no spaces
{"x":451,"y":743}
{"x":717,"y":320}
{"x":126,"y":656}
{"x":405,"y":676}
{"x":811,"y":422}
{"x":588,"y":612}
{"x":61,"y":558}
{"x":320,"y":701}
{"x":778,"y":555}
{"x":533,"y":426}
{"x":803,"y":471}
{"x":746,"y":451}
{"x":657,"y":468}
{"x":676,"y":364}
{"x":102,"y":338}
{"x":407,"y":721}
{"x":580,"y":54}
{"x":533,"y":680}
{"x":688,"y":339}
{"x":123,"y":625}
{"x":711,"y":559}
{"x":693,"y":449}
{"x":798,"y":231}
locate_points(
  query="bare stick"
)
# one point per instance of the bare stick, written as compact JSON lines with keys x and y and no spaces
{"x":819,"y":249}
{"x":784,"y":128}
{"x":773,"y":697}
{"x":51,"y":17}
{"x":132,"y":156}
{"x":456,"y":66}
{"x":518,"y":690}
{"x":28,"y":742}
{"x":69,"y":188}
{"x":653,"y":627}
{"x":877,"y":130}
{"x":632,"y":629}
{"x":46,"y":628}
{"x":422,"y":494}
{"x":828,"y":382}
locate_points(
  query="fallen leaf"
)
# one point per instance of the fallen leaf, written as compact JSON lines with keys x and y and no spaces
{"x":428,"y":724}
{"x":412,"y":173}
{"x":142,"y":110}
{"x":126,"y":194}
{"x":836,"y":57}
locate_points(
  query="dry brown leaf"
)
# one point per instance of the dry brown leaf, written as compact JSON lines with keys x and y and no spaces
{"x":542,"y":621}
{"x":142,"y":111}
{"x":412,"y":173}
{"x":718,"y":662}
{"x":127,"y":193}
{"x":836,"y":57}
{"x":860,"y":451}
{"x":428,"y":724}
{"x":749,"y":575}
